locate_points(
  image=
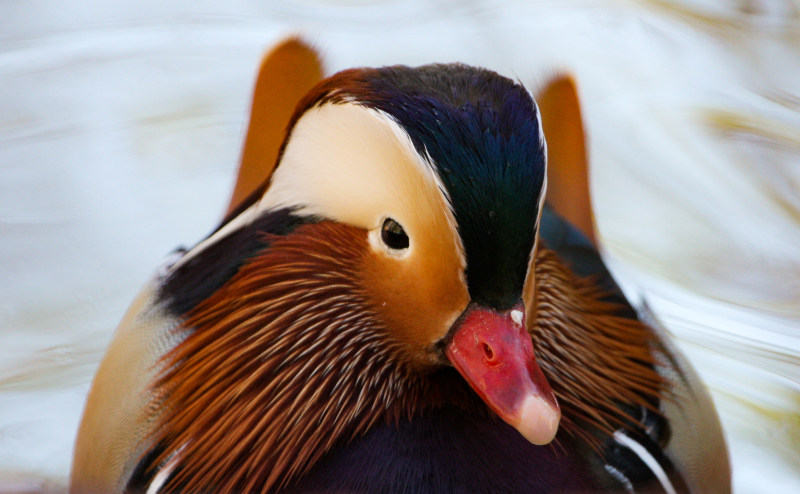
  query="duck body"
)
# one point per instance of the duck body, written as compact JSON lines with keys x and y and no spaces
{"x":448,"y":451}
{"x":396,"y":310}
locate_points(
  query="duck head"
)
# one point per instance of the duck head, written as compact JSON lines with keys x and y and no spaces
{"x":443,"y":168}
{"x":395,"y":239}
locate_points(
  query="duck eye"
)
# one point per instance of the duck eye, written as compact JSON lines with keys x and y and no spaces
{"x":393,"y":235}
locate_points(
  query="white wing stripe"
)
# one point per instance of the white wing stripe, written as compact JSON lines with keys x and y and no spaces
{"x":647,"y":458}
{"x":621,"y":478}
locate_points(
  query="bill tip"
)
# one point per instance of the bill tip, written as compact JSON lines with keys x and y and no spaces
{"x":538,"y":420}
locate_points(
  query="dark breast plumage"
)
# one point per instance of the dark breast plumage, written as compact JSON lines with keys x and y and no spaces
{"x":389,"y":306}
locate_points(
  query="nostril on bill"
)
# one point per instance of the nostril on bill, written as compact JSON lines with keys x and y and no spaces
{"x":488,"y":353}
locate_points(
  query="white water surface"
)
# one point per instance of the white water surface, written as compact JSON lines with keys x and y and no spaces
{"x":121,"y":125}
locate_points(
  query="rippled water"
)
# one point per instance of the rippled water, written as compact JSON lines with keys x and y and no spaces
{"x":121,"y":124}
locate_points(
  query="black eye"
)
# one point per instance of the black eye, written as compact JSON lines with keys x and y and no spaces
{"x":393,"y":235}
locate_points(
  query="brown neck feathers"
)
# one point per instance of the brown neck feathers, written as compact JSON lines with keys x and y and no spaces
{"x":287,"y":359}
{"x":595,"y":356}
{"x":278,"y":365}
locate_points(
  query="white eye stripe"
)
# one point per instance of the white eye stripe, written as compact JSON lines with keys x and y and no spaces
{"x":543,"y":144}
{"x":428,"y":168}
{"x":239,"y":222}
{"x":542,"y":141}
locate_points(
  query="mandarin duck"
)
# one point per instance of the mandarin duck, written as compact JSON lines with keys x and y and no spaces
{"x":392,"y":303}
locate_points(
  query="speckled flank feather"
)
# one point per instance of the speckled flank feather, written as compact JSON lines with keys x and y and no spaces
{"x":594,"y":358}
{"x":280,"y":363}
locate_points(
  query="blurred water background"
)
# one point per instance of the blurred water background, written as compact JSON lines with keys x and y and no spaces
{"x":121,"y":124}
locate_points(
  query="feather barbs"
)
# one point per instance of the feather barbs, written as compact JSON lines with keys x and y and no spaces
{"x":279,"y":364}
